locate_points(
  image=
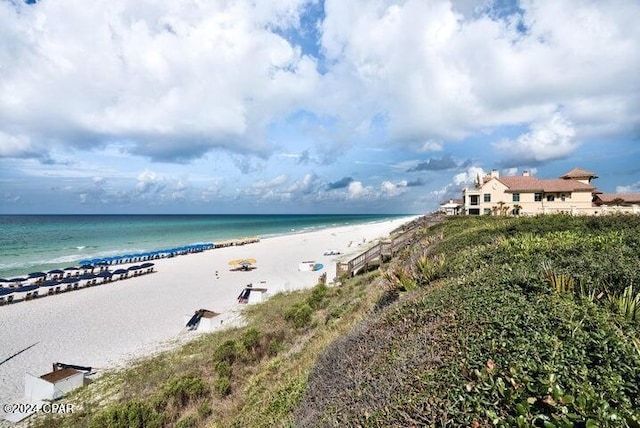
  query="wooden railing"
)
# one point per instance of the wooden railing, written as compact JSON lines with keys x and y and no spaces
{"x":399,"y":239}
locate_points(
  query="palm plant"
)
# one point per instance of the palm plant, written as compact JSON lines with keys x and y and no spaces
{"x":400,"y":278}
{"x":429,"y":268}
{"x":560,"y":282}
{"x":626,"y":304}
{"x":516,"y":209}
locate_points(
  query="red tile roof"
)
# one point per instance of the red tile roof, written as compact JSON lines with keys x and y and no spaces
{"x":533,"y":184}
{"x":579,"y":173}
{"x":607,"y":198}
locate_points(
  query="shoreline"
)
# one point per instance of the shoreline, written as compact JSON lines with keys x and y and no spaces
{"x":112,"y":325}
{"x":75,"y":259}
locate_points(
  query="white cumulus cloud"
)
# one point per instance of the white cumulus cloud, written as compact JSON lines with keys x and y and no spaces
{"x":546,"y":140}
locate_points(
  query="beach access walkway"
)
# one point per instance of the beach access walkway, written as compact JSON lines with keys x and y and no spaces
{"x":399,"y":239}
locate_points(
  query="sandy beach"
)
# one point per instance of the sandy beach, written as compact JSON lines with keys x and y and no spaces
{"x":108,"y":325}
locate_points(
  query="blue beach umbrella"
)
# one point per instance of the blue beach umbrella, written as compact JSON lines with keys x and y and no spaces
{"x":26,"y":288}
{"x":5,"y":291}
{"x":37,"y":275}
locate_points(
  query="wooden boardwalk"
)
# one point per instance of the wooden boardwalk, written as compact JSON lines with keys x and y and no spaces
{"x":386,"y":249}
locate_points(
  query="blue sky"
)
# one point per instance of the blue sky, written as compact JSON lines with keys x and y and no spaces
{"x":308,"y":106}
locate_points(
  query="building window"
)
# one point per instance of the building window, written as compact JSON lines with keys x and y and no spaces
{"x":487,"y":211}
{"x":563,"y":197}
{"x":551,"y":198}
{"x":516,"y":197}
{"x":474,"y":211}
{"x":475,"y":199}
{"x":537,"y":197}
{"x":487,"y":197}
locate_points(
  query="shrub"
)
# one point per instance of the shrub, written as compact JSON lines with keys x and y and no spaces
{"x":560,"y":283}
{"x":132,"y":414}
{"x":251,"y":338}
{"x":187,"y":422}
{"x":318,"y":294}
{"x":429,"y":268}
{"x":184,"y":390}
{"x":299,"y":315}
{"x":226,"y":351}
{"x":223,"y":369}
{"x":626,"y":304}
{"x":400,"y":277}
{"x":274,"y":347}
{"x":223,"y":386}
{"x":205,"y":410}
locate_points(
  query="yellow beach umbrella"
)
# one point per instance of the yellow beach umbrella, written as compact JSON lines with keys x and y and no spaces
{"x":237,"y":262}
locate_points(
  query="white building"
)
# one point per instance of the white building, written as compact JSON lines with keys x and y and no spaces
{"x":53,"y":385}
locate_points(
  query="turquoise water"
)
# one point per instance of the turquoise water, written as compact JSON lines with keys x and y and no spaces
{"x":44,"y":242}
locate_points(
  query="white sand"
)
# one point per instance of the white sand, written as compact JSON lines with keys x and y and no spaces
{"x":107,"y":325}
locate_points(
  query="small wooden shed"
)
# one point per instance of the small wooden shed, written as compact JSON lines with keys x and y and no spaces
{"x":53,"y":385}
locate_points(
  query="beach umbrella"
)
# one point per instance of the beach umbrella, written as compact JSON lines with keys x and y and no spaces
{"x":5,"y":291}
{"x":17,"y":279}
{"x":56,"y":271}
{"x":120,"y":271}
{"x":37,"y":274}
{"x":70,"y":280}
{"x":86,"y":266}
{"x":146,"y":265}
{"x":134,"y":267}
{"x":105,"y":274}
{"x":50,"y":283}
{"x":26,"y":288}
{"x":87,"y":276}
{"x":242,"y":262}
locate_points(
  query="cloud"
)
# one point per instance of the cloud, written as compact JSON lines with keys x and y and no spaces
{"x":631,"y":188}
{"x":416,"y":183}
{"x":468,"y":177}
{"x":340,"y":184}
{"x":430,"y":146}
{"x":174,"y":78}
{"x":357,"y":191}
{"x":440,"y":75}
{"x":304,"y":186}
{"x":391,"y":190}
{"x":149,"y":182}
{"x":547,"y":140}
{"x":435,"y":164}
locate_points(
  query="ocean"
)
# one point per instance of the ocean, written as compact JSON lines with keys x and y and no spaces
{"x":31,"y":243}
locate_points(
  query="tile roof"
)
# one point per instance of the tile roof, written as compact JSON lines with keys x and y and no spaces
{"x":533,"y":184}
{"x":631,"y":198}
{"x":579,"y":173}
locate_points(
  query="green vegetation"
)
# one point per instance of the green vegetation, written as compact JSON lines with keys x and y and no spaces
{"x":515,"y":330}
{"x":491,"y":321}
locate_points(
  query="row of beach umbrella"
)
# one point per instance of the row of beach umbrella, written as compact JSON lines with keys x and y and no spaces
{"x":149,"y":255}
{"x":68,"y":280}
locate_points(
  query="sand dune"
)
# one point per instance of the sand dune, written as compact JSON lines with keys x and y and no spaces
{"x":108,"y":325}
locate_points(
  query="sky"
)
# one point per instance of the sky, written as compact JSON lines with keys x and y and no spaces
{"x":308,"y":106}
